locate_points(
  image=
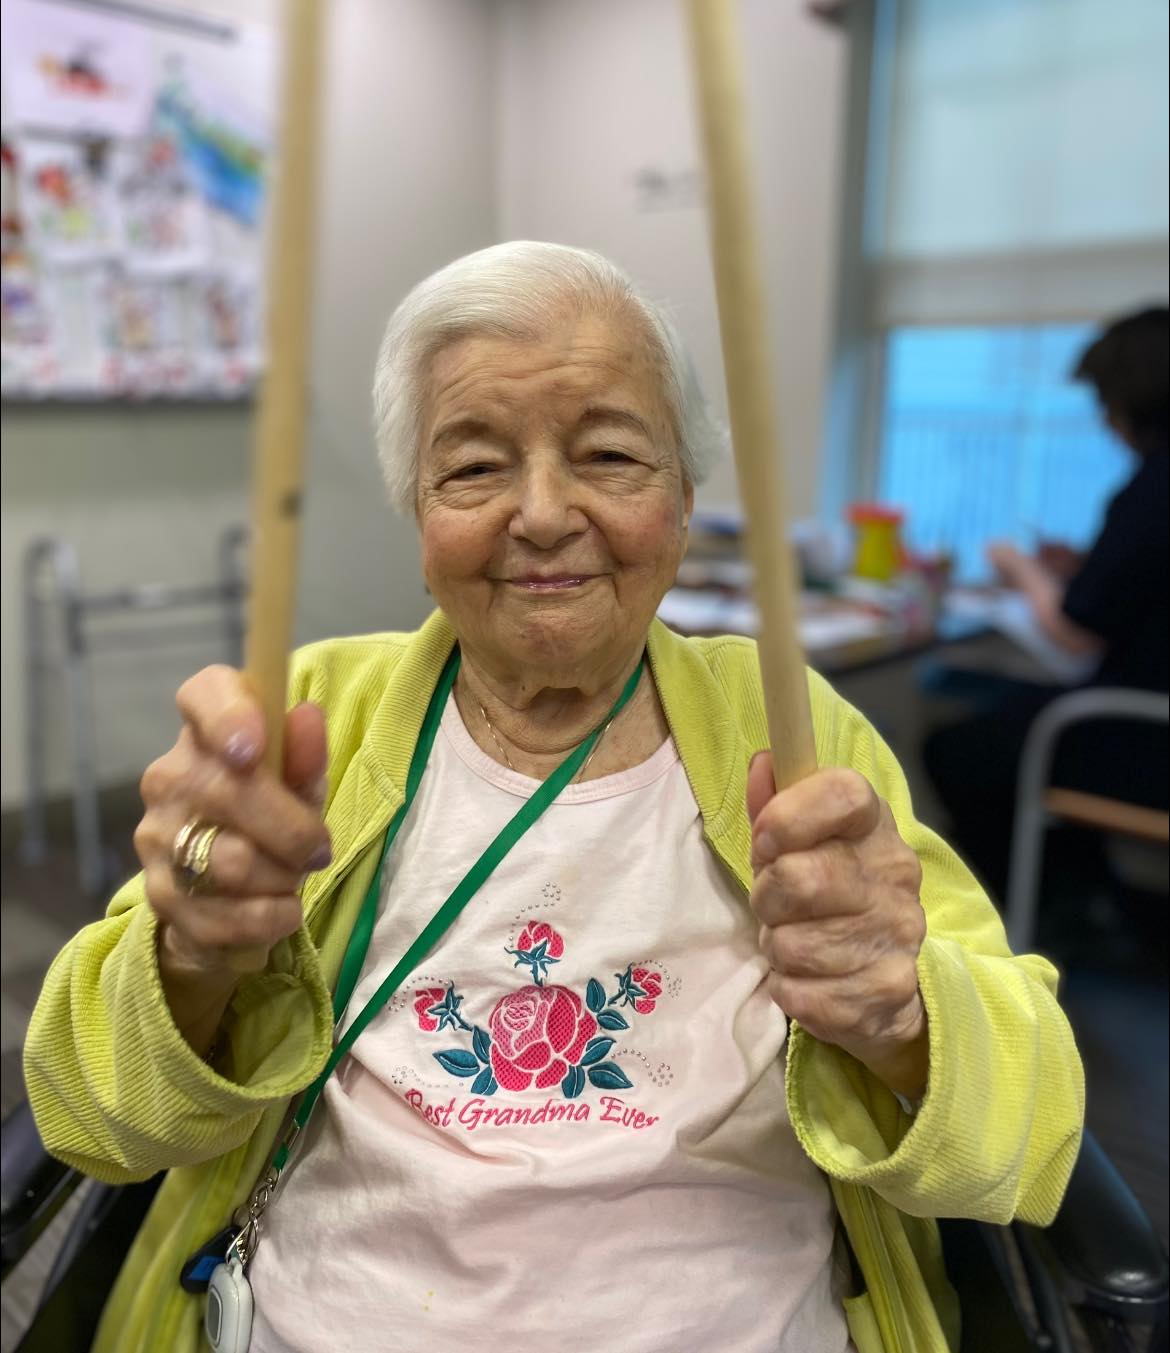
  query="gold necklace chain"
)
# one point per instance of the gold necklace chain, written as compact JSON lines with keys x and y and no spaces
{"x":508,"y":760}
{"x":492,"y":731}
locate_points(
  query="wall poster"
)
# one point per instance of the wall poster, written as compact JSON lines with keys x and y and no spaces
{"x":135,"y":159}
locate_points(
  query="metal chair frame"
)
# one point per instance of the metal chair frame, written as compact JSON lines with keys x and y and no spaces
{"x":1034,"y":814}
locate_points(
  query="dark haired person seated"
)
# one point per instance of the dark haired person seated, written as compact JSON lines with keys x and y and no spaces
{"x":1109,"y":604}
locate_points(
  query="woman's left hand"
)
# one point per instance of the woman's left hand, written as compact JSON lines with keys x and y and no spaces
{"x":836,"y":892}
{"x":1013,"y":568}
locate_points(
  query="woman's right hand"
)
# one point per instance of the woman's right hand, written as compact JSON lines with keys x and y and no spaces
{"x":271,"y":832}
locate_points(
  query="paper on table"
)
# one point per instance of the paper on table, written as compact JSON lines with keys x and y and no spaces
{"x":1010,"y":614}
{"x":706,"y":611}
{"x":831,"y":628}
{"x":709,"y":611}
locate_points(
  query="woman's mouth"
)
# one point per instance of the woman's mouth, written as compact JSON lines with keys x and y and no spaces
{"x":553,"y":582}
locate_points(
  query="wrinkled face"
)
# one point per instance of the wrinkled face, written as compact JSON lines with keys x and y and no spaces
{"x":551,"y":500}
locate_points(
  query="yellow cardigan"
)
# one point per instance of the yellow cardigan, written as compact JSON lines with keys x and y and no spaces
{"x":119,"y":1094}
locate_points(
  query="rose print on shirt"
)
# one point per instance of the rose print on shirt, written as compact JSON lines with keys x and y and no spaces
{"x":639,"y":987}
{"x":538,"y":1033}
{"x":437,"y":1007}
{"x":540,"y":1036}
{"x":538,"y":946}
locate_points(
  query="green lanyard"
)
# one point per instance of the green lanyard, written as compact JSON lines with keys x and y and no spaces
{"x":465,"y":889}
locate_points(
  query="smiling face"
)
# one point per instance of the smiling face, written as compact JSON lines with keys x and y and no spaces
{"x":551,"y":501}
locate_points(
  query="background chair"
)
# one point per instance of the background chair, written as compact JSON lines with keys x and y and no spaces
{"x":1100,"y":1264}
{"x":1039,"y":805}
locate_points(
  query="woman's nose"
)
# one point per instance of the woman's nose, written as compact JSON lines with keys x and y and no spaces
{"x":547,"y":511}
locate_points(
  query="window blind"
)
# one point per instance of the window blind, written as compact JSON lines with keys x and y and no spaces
{"x":1026,"y":163}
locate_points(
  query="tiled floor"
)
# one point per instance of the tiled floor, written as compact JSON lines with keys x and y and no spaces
{"x":1120,"y":1017}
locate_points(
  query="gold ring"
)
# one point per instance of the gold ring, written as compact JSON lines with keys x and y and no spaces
{"x":191,"y":856}
{"x":182,"y":837}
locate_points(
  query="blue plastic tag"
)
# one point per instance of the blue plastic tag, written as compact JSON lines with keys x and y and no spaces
{"x":196,"y":1272}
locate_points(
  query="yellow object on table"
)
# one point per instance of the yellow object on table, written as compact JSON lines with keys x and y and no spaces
{"x":879,"y":554}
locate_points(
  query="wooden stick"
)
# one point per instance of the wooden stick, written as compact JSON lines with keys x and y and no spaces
{"x":740,"y":290}
{"x":280,"y":422}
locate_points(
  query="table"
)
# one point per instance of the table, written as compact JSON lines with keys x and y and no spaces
{"x":840,"y":634}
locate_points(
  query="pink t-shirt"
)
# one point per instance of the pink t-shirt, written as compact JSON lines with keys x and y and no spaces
{"x":568,"y":1129}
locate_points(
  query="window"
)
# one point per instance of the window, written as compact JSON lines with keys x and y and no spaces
{"x":984,"y":436}
{"x":1005,"y":195}
{"x":1025,"y":160}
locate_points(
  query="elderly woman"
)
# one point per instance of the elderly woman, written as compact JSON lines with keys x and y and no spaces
{"x":634,"y":1053}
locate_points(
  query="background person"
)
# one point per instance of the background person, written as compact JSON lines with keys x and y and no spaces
{"x":1110,"y":605}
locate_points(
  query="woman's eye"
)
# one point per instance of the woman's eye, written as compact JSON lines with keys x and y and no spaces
{"x":472,"y":471}
{"x":610,"y":457}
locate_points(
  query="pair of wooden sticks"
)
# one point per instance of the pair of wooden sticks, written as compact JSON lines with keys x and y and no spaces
{"x":746,"y":351}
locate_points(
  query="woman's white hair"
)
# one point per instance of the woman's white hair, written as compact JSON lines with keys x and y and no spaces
{"x":513,"y":291}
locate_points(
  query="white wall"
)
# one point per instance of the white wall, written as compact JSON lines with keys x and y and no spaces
{"x":448,"y":124}
{"x":407,"y":178}
{"x":592,"y":92}
{"x":408,"y":159}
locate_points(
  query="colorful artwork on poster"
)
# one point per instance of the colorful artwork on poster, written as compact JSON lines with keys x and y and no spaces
{"x":23,"y":322}
{"x":229,"y":319}
{"x":144,"y":323}
{"x":67,"y":203}
{"x":142,"y":315}
{"x":164,"y":221}
{"x":74,"y":70}
{"x":135,"y":156}
{"x":230,"y":313}
{"x":27,"y":357}
{"x":221,"y":143}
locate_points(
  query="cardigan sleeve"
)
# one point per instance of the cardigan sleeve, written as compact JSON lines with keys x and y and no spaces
{"x":114,"y":1087}
{"x":998,"y":1131}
